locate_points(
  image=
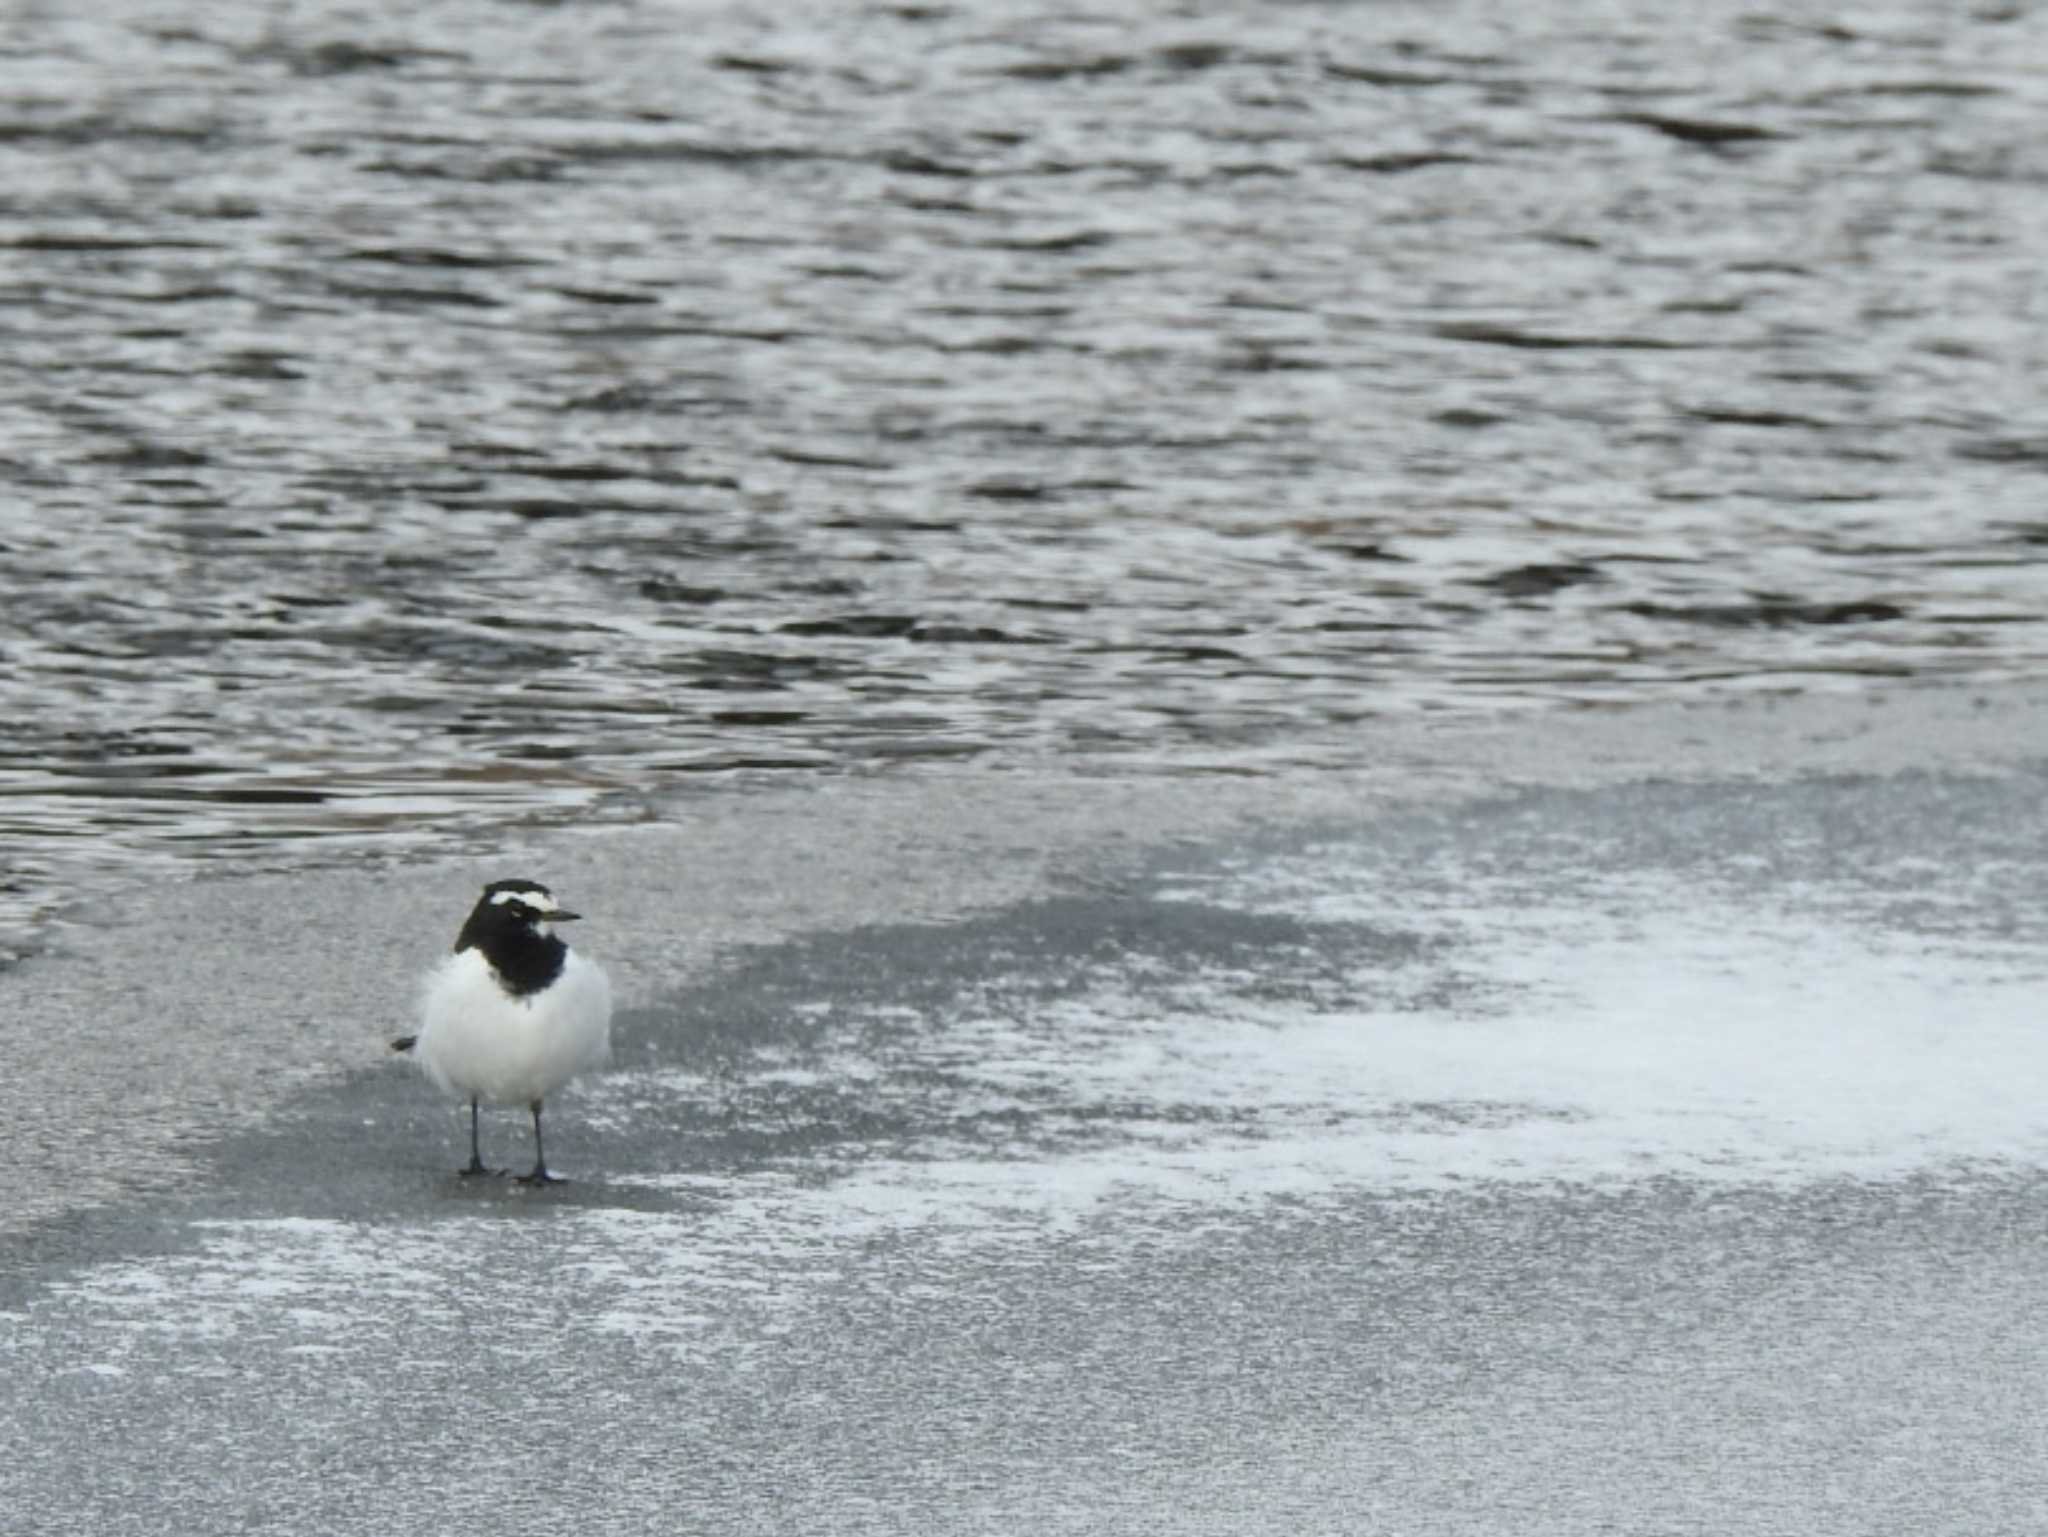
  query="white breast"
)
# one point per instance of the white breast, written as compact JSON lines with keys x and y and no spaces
{"x":477,"y":1039}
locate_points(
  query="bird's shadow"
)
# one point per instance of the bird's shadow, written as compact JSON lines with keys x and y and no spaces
{"x":500,"y":1194}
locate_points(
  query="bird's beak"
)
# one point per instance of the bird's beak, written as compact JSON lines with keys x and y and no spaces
{"x":559,"y":916}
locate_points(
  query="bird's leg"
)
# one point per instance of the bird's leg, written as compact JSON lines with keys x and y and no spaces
{"x":476,"y":1156}
{"x":539,"y":1174}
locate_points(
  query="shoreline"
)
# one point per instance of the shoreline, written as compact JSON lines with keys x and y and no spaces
{"x":186,"y":1011}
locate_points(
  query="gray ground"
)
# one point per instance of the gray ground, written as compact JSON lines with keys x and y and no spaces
{"x":1043,"y":1154}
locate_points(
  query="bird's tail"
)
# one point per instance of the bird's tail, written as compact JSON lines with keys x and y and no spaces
{"x":405,"y":1043}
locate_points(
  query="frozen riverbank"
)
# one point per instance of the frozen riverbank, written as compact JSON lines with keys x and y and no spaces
{"x":1620,"y":1120}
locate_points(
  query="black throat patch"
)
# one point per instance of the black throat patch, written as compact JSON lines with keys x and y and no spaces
{"x":524,"y":961}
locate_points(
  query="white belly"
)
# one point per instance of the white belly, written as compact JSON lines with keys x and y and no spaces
{"x":477,"y":1040}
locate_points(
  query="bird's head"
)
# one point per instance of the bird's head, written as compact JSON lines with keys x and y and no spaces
{"x":525,"y":903}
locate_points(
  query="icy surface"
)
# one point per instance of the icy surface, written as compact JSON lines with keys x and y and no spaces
{"x":1623,"y":1154}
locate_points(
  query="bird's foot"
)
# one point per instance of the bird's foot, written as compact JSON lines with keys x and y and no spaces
{"x":538,"y":1175}
{"x":476,"y":1167}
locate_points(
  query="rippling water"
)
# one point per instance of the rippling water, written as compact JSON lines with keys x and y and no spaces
{"x":420,"y":414}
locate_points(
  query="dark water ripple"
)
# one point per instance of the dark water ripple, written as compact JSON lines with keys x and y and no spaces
{"x":421,"y":414}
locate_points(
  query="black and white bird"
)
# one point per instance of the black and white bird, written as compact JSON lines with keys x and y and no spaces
{"x":514,"y":1013}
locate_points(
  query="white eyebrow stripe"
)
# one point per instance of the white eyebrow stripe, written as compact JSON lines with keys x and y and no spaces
{"x":534,"y":899}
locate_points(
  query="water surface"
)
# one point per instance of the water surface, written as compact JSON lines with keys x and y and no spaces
{"x":419,"y":418}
